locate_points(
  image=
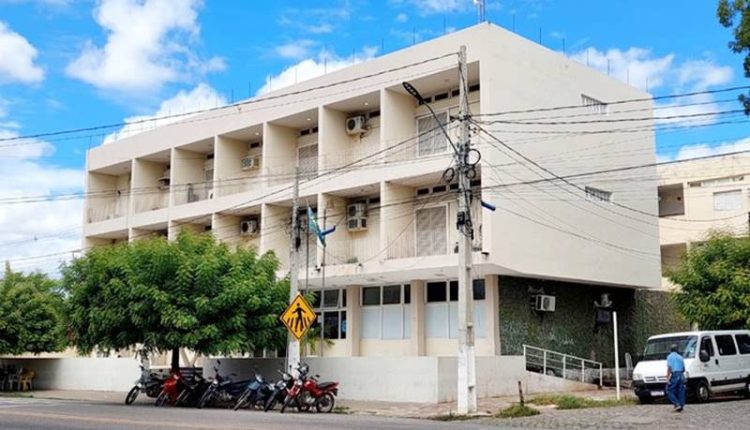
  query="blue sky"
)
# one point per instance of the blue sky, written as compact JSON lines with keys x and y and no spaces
{"x":76,"y":63}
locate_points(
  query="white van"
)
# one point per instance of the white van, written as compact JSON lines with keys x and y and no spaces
{"x":715,"y":362}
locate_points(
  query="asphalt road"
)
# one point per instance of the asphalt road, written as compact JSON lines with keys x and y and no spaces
{"x":40,"y":414}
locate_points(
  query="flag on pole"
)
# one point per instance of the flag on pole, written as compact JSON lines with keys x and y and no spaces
{"x":312,"y":225}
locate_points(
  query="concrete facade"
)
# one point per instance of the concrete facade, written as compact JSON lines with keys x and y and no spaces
{"x":700,"y":196}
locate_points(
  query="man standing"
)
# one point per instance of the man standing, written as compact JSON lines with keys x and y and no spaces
{"x":676,"y":378}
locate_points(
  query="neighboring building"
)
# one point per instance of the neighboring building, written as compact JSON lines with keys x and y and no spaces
{"x":390,"y":267}
{"x":700,"y":196}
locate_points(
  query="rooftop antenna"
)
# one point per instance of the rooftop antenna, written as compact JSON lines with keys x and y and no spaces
{"x":480,"y":4}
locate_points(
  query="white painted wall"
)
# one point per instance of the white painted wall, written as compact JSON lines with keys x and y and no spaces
{"x":95,"y":374}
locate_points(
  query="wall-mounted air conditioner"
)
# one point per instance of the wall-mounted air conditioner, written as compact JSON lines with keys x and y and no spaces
{"x":163,"y":181}
{"x":250,"y":163}
{"x":356,"y":216}
{"x":356,"y":124}
{"x":249,"y":227}
{"x":544,"y":303}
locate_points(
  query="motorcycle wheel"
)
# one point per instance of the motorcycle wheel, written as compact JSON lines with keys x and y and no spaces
{"x":241,"y":401}
{"x":205,"y":398}
{"x":162,"y":399}
{"x":325,"y":403}
{"x":287,"y":401}
{"x":270,"y":404}
{"x":182,"y":397}
{"x":132,"y":395}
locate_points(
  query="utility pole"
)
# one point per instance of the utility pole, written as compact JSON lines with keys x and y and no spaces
{"x":293,"y":348}
{"x":467,"y":394}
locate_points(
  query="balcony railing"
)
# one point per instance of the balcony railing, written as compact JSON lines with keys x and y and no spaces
{"x":109,"y":208}
{"x":151,"y":201}
{"x":190,"y":193}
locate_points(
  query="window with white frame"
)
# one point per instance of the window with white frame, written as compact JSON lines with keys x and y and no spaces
{"x":386,"y":312}
{"x":432,"y":233}
{"x":597,"y":195}
{"x":441,"y":310}
{"x":330,"y":307}
{"x":594,"y":105}
{"x":431,"y":139}
{"x":308,"y":159}
{"x":728,"y":200}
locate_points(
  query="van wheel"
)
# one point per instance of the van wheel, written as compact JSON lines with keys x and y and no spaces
{"x":701,"y":393}
{"x":746,"y":392}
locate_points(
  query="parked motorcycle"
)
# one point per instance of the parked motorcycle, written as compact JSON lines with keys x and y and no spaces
{"x":280,"y":390}
{"x":170,"y":390}
{"x":149,"y":383}
{"x":257,"y":392}
{"x":307,"y":392}
{"x":191,"y":390}
{"x":221,"y":390}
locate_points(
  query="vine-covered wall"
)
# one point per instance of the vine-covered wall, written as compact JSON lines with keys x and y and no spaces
{"x":570,"y":328}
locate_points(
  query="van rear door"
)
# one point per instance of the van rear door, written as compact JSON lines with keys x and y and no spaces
{"x":743,"y":347}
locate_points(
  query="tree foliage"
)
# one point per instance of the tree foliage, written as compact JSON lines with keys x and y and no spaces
{"x":715,"y":283}
{"x":191,"y":293}
{"x":735,"y":14}
{"x":31,"y":317}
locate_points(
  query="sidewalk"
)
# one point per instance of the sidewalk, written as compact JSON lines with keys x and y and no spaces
{"x":389,"y":409}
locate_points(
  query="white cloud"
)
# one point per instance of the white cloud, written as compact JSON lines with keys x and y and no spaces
{"x":148,"y":44}
{"x":705,"y":150}
{"x":40,"y":227}
{"x":312,"y":67}
{"x":637,"y":66}
{"x":295,"y":50}
{"x":428,"y":7}
{"x":18,"y":55}
{"x":402,"y":18}
{"x":316,"y":20}
{"x":703,"y":74}
{"x":203,"y":96}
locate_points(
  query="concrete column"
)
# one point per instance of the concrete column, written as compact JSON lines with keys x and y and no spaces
{"x":353,"y":320}
{"x":492,"y":312}
{"x":417,"y":318}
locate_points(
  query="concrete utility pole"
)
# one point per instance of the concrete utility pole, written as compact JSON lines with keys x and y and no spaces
{"x":293,"y":349}
{"x":467,"y":394}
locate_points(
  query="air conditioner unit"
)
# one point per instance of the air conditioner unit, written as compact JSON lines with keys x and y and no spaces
{"x":248,"y":227}
{"x":544,"y":303}
{"x":163,"y":181}
{"x":356,"y":216}
{"x":356,"y":124}
{"x":250,"y":163}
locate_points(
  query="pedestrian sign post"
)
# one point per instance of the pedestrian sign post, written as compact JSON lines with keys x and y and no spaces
{"x":298,"y":317}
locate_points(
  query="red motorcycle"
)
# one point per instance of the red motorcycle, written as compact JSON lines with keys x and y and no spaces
{"x":307,"y":392}
{"x":170,"y":390}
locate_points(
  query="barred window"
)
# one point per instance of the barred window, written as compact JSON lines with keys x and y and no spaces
{"x":597,"y":195}
{"x":431,"y":139}
{"x":594,"y":105}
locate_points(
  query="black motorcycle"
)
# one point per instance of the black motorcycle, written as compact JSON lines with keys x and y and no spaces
{"x":280,"y":389}
{"x":192,"y":390}
{"x":256,"y":393}
{"x":221,"y":390}
{"x":149,"y":383}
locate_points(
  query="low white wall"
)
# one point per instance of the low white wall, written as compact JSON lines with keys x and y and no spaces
{"x":539,"y":383}
{"x":496,"y":376}
{"x":98,"y":374}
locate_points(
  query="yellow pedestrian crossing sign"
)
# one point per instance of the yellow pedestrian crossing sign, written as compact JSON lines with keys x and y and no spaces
{"x":298,"y":317}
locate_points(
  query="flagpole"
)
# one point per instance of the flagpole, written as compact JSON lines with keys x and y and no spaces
{"x":323,"y":287}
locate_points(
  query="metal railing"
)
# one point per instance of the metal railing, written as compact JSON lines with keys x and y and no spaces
{"x":564,"y":366}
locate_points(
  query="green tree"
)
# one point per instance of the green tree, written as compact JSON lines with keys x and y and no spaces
{"x":31,"y":317}
{"x":735,"y":14}
{"x":714,"y":280}
{"x":161,"y":295}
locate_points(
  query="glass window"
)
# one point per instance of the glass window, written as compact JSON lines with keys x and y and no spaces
{"x":371,"y":296}
{"x":331,"y":325}
{"x":743,"y":342}
{"x":478,"y":286}
{"x":331,"y":298}
{"x":392,"y":295}
{"x":725,"y":344}
{"x":658,"y":349}
{"x":454,"y":291}
{"x":315,"y":299}
{"x":407,"y":293}
{"x":728,"y":200}
{"x":436,"y":292}
{"x":707,"y":345}
{"x":343,"y":298}
{"x":342,"y":321}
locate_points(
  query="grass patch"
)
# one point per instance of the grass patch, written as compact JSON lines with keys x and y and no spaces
{"x":343,"y":410}
{"x":566,"y":401}
{"x":517,"y":411}
{"x":452,"y":417}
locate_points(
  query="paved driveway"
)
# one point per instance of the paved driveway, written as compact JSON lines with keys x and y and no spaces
{"x":718,"y":414}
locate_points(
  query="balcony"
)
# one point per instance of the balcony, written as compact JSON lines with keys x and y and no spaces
{"x":239,"y":161}
{"x":152,"y":179}
{"x":109,"y":190}
{"x":193,"y":172}
{"x":103,"y":208}
{"x":671,"y":200}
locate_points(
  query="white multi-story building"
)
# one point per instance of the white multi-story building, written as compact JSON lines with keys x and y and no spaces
{"x":697,"y":197}
{"x":372,"y":164}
